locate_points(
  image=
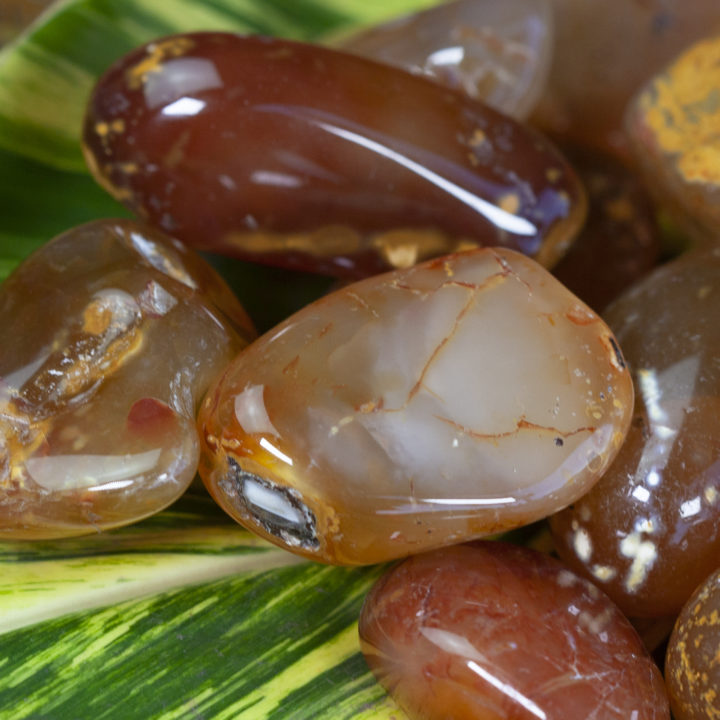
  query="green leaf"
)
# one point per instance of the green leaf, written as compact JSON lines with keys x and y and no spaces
{"x":38,"y":202}
{"x":202,"y":619}
{"x":183,"y":613}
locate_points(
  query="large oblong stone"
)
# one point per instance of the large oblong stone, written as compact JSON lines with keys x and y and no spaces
{"x":301,"y":156}
{"x":462,"y":397}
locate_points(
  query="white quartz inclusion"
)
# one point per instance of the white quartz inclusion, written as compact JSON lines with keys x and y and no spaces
{"x":271,"y":501}
{"x":467,"y":393}
{"x":73,"y":472}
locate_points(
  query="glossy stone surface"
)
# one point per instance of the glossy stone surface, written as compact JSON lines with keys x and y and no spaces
{"x":109,"y":336}
{"x":620,"y":241}
{"x":647,"y":533}
{"x":673,"y":123}
{"x":462,"y":397}
{"x":491,"y":631}
{"x":302,"y":156}
{"x":605,"y":51}
{"x":692,"y":666}
{"x":497,"y":52}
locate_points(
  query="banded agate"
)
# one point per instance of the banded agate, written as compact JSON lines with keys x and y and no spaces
{"x":465,"y":396}
{"x":490,"y":631}
{"x":110,"y":334}
{"x":497,"y":52}
{"x":302,"y":156}
{"x":647,"y":533}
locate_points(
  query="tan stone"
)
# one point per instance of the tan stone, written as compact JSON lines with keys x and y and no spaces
{"x":459,"y":398}
{"x":110,"y":335}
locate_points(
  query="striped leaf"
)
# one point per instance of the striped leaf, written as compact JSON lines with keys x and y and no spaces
{"x":264,"y":641}
{"x":183,"y":615}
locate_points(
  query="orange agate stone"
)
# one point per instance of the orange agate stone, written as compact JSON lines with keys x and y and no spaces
{"x":490,"y":631}
{"x":110,"y":335}
{"x":462,"y":397}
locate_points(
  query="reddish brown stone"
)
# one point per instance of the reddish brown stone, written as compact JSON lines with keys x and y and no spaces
{"x":647,"y":533}
{"x":490,"y":631}
{"x":304,"y":156}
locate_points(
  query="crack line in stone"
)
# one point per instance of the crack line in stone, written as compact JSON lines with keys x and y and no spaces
{"x":363,"y":304}
{"x":507,"y":270}
{"x":487,"y":284}
{"x":522,"y":424}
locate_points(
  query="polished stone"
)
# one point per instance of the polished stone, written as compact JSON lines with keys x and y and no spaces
{"x":459,"y":398}
{"x":647,"y":533}
{"x":620,"y":241}
{"x":307,"y":157}
{"x":497,"y":52}
{"x":490,"y":631}
{"x":604,"y":51}
{"x":110,"y":334}
{"x":673,"y":124}
{"x":692,"y":665}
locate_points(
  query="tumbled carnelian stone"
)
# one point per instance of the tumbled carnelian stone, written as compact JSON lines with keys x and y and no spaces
{"x":303,"y":156}
{"x":465,"y":396}
{"x":109,"y":336}
{"x":647,"y":533}
{"x":692,"y":663}
{"x":490,"y":631}
{"x":497,"y":52}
